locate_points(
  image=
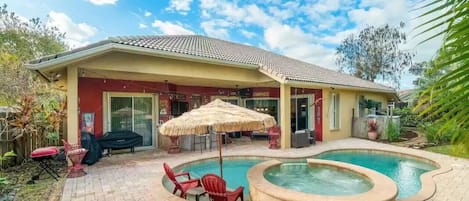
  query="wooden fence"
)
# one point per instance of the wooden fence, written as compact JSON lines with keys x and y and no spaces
{"x":360,"y":126}
{"x":24,"y":145}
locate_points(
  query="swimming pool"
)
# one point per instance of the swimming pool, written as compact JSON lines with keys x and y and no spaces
{"x":234,"y":170}
{"x":404,"y":171}
{"x":321,"y":180}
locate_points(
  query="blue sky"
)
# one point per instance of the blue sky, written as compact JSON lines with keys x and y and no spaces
{"x":305,"y":30}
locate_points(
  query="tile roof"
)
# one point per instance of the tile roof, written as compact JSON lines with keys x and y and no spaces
{"x":205,"y":47}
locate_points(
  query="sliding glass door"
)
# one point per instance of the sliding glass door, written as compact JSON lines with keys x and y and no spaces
{"x":132,"y":112}
{"x":301,"y":113}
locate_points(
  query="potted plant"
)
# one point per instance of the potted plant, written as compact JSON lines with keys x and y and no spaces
{"x":372,"y":129}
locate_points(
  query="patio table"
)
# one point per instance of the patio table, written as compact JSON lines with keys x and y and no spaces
{"x":196,"y":192}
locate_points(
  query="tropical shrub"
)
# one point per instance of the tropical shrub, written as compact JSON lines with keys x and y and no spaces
{"x":408,"y":117}
{"x":6,"y":158}
{"x":434,"y":134}
{"x":392,"y":131}
{"x":446,"y":98}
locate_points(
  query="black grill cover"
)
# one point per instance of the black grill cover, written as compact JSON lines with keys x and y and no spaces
{"x":120,"y":140}
{"x":89,"y":142}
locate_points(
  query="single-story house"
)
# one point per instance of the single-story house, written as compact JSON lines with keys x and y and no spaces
{"x":139,"y":82}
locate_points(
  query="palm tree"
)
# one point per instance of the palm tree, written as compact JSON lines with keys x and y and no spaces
{"x":448,"y":97}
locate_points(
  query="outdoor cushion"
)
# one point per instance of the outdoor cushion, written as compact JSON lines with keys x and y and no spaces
{"x":45,"y":151}
{"x":77,"y":151}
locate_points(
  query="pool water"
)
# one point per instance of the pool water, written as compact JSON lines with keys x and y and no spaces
{"x":317,"y":180}
{"x":234,"y":171}
{"x":404,"y":171}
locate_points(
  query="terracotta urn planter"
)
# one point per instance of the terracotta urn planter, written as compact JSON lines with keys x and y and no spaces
{"x":372,"y":129}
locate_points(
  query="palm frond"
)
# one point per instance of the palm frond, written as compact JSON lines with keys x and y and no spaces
{"x":448,"y":98}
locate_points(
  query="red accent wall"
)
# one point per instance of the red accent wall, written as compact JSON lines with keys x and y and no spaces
{"x":318,"y":114}
{"x":90,"y":92}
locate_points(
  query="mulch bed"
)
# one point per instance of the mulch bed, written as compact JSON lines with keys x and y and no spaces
{"x":46,"y":188}
{"x":408,"y":134}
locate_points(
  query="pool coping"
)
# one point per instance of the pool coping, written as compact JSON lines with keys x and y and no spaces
{"x":384,"y":189}
{"x":428,"y":185}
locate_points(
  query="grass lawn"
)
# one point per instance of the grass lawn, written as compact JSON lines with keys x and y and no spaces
{"x":452,"y":150}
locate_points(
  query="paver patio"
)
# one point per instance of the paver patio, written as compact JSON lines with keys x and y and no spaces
{"x":138,"y":176}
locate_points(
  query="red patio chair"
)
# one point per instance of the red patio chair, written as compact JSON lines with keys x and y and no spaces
{"x":274,"y":134}
{"x":76,"y":154}
{"x":182,"y":186}
{"x":215,"y":186}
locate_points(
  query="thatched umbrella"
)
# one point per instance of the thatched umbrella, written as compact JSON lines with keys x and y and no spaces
{"x":217,"y":117}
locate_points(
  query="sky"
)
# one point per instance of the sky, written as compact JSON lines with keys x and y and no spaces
{"x":306,"y":30}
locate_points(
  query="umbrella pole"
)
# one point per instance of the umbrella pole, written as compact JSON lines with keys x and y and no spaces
{"x":220,"y":159}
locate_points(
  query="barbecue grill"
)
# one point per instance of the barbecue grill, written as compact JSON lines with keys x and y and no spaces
{"x":120,"y":140}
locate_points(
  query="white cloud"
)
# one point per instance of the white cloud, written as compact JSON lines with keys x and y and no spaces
{"x":247,"y":34}
{"x":142,"y":26}
{"x":281,"y":14}
{"x":230,"y":11}
{"x":294,"y":42}
{"x":181,"y":6}
{"x":76,"y":34}
{"x":338,"y":37}
{"x":102,"y":2}
{"x":169,"y":28}
{"x":382,"y":12}
{"x":216,"y":28}
{"x":257,"y":16}
{"x":147,"y":14}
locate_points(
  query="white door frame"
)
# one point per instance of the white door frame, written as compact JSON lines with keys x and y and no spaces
{"x":310,"y":98}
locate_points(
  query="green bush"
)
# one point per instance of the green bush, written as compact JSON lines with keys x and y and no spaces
{"x":434,"y":134}
{"x":3,"y":184}
{"x":408,"y":118}
{"x":392,"y":131}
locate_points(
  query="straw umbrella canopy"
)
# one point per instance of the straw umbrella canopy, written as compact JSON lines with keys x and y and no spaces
{"x":217,"y":117}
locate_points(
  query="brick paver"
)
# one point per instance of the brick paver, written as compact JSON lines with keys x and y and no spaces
{"x":138,"y":176}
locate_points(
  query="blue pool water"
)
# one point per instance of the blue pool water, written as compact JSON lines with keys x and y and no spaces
{"x":317,"y":180}
{"x":404,"y":171}
{"x":234,"y":171}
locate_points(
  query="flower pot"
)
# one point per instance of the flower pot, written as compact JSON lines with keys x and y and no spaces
{"x":372,"y":135}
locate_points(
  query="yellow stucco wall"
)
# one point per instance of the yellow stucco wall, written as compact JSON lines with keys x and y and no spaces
{"x":375,"y":97}
{"x":348,"y":104}
{"x":124,"y":62}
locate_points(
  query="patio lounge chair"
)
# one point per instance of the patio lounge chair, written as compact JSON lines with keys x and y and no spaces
{"x":183,"y":186}
{"x":215,"y":186}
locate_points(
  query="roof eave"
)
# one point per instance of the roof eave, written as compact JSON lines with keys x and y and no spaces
{"x":338,"y":86}
{"x":87,"y":53}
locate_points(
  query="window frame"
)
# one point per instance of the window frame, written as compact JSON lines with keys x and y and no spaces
{"x":334,"y":111}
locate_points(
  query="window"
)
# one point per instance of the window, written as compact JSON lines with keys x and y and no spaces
{"x":267,"y":106}
{"x":178,"y":108}
{"x":335,"y":111}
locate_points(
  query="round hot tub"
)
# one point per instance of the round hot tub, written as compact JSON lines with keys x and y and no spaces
{"x":317,"y":180}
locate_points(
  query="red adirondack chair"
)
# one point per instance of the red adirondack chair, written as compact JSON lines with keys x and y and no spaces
{"x":215,"y":186}
{"x":183,"y":186}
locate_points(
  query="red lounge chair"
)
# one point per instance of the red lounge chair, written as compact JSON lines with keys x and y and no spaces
{"x":183,"y":186}
{"x":216,"y":189}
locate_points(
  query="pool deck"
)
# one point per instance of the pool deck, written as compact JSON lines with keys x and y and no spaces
{"x":138,"y":176}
